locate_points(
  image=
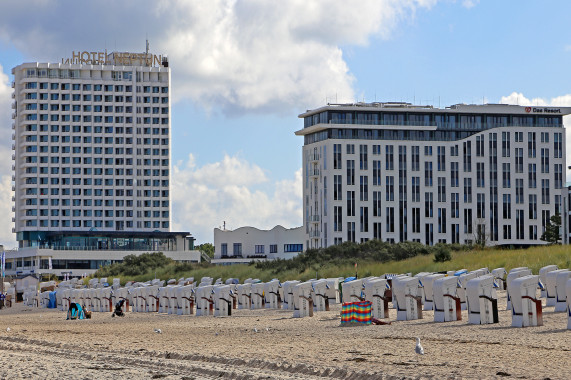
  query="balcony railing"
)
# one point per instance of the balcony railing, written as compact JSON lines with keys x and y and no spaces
{"x":314,"y":172}
{"x":314,"y":218}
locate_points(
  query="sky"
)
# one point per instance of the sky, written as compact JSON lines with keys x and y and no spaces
{"x":243,"y":70}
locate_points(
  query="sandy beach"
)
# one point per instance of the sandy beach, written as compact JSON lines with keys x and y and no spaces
{"x":41,"y":344}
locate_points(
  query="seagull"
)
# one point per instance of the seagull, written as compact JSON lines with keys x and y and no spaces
{"x":267,"y":329}
{"x":255,"y":330}
{"x":158,"y":331}
{"x":8,"y":329}
{"x":418,"y":349}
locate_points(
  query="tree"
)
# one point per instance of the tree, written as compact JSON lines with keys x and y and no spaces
{"x":552,"y":230}
{"x":480,"y":236}
{"x":207,"y":249}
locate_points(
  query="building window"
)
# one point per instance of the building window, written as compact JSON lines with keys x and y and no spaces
{"x":293,"y":247}
{"x":390,"y":212}
{"x":480,"y":174}
{"x":259,"y":249}
{"x":350,"y":203}
{"x":519,"y":160}
{"x":480,"y":206}
{"x":336,"y":156}
{"x":389,"y":158}
{"x":545,"y":191}
{"x":337,"y":189}
{"x":531,"y":145}
{"x":428,"y":174}
{"x":364,"y":214}
{"x":507,"y":206}
{"x":441,"y":159}
{"x":519,"y":191}
{"x":415,"y":159}
{"x":363,"y":157}
{"x":505,"y":144}
{"x":506,"y":176}
{"x":441,"y":189}
{"x":557,"y":145}
{"x":337,"y":218}
{"x":390,"y":188}
{"x":364,"y":188}
{"x":273,"y":248}
{"x":237,"y":249}
{"x":532,"y":176}
{"x":376,"y":203}
{"x":351,"y":231}
{"x":454,"y":174}
{"x":467,"y":156}
{"x":416,"y":189}
{"x":428,"y":205}
{"x":350,"y":172}
{"x":467,"y":190}
{"x":376,"y":173}
{"x":532,"y":206}
{"x":455,"y":205}
{"x":442,"y":220}
{"x":544,"y":160}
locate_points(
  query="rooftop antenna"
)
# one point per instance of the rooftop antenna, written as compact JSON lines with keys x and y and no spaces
{"x":147,"y":46}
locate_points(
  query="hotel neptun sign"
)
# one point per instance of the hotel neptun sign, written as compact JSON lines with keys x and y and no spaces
{"x":115,"y":58}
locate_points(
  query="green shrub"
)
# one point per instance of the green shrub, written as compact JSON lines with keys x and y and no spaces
{"x":442,"y":254}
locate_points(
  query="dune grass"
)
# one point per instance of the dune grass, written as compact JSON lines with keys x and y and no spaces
{"x":534,"y":258}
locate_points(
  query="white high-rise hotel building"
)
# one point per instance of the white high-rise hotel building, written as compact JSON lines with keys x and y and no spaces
{"x":397,"y":172}
{"x":92,"y":150}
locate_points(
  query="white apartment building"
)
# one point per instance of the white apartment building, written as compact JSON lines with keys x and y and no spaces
{"x":246,"y":244}
{"x":91,"y":159}
{"x":566,"y":214}
{"x":490,"y":173}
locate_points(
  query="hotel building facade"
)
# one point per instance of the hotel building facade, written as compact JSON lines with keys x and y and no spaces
{"x":91,"y":162}
{"x":491,"y":174}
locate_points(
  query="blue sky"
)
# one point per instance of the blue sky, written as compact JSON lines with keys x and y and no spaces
{"x":243,"y":70}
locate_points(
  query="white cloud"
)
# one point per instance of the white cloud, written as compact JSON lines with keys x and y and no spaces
{"x":558,"y":101}
{"x":204,"y":197}
{"x":470,"y":3}
{"x":6,"y":236}
{"x":234,"y":56}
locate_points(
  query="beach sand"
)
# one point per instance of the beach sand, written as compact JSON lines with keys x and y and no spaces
{"x":41,"y":344}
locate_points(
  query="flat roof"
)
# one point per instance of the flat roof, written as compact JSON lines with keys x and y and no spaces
{"x":490,"y":108}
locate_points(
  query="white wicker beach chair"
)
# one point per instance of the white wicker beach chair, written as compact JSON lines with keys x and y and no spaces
{"x":288,"y":294}
{"x":482,"y":300}
{"x":447,"y":303}
{"x":408,"y":302}
{"x":302,"y":301}
{"x":526,"y":306}
{"x":427,"y":283}
{"x":561,"y":295}
{"x":258,"y":300}
{"x":512,"y":275}
{"x":376,"y":292}
{"x":272,"y":294}
{"x":543,"y":278}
